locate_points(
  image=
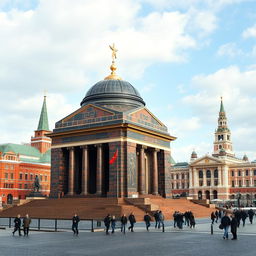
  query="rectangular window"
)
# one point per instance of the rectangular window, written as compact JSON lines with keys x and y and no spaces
{"x":215,"y":182}
{"x":247,"y":172}
{"x":26,"y":176}
{"x":177,"y":185}
{"x":247,"y":183}
{"x":200,"y":183}
{"x":254,"y":183}
{"x":208,"y":183}
{"x":232,"y":173}
{"x":183,"y":185}
{"x":12,"y":176}
{"x":240,"y":183}
{"x":6,"y":176}
{"x":254,"y":172}
{"x":172,"y":186}
{"x":26,"y":186}
{"x":239,"y":173}
{"x":172,"y":176}
{"x":41,"y":177}
{"x":233,"y":183}
{"x":20,"y":176}
{"x":20,"y":186}
{"x":45,"y":178}
{"x":31,"y":176}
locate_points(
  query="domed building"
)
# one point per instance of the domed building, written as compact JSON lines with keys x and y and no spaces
{"x":111,"y":146}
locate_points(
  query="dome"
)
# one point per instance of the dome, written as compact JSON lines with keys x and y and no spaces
{"x":113,"y":92}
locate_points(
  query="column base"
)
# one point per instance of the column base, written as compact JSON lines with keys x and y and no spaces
{"x":98,"y":194}
{"x":155,"y":193}
{"x":84,"y":194}
{"x":70,"y":193}
{"x":142,"y":192}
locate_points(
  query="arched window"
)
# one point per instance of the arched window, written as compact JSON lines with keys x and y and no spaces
{"x":216,"y":173}
{"x":201,"y":174}
{"x":208,"y":174}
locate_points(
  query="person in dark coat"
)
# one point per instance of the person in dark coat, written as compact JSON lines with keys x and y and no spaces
{"x":17,"y":224}
{"x":233,"y":225}
{"x":132,"y":221}
{"x":217,"y":216}
{"x":107,"y":221}
{"x":75,"y":221}
{"x":213,"y":216}
{"x":123,"y":223}
{"x":192,"y":220}
{"x":244,"y":216}
{"x":225,"y":222}
{"x":147,"y":220}
{"x":26,"y":224}
{"x":251,"y":214}
{"x":156,"y":216}
{"x":113,"y":224}
{"x":238,"y":217}
{"x":175,"y":218}
{"x":161,"y":220}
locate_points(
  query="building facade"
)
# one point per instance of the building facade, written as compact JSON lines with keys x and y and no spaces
{"x":19,"y":164}
{"x":217,"y":176}
{"x":112,"y":146}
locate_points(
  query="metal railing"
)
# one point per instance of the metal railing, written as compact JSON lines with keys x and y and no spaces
{"x":46,"y":224}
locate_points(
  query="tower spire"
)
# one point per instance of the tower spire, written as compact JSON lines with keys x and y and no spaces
{"x":222,"y":142}
{"x":221,"y":105}
{"x":43,"y":124}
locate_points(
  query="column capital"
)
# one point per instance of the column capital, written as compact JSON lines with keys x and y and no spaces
{"x":70,"y":148}
{"x":84,"y":147}
{"x":98,"y":145}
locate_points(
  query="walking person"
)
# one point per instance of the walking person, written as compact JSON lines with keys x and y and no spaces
{"x":75,"y":221}
{"x":156,"y":216}
{"x":107,"y":221}
{"x":192,"y":220}
{"x":225,"y":222}
{"x":213,"y":217}
{"x":244,"y":216}
{"x":123,"y":223}
{"x":251,"y":214}
{"x":113,"y":224}
{"x":26,"y":224}
{"x":147,"y":220}
{"x":217,"y":216}
{"x":132,"y":221}
{"x":234,"y":225}
{"x":161,"y":220}
{"x":17,"y":224}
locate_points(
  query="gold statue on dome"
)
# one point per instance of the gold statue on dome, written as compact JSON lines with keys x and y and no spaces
{"x":114,"y":51}
{"x":113,"y":67}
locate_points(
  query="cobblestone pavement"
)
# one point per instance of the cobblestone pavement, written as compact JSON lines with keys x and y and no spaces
{"x":174,"y":242}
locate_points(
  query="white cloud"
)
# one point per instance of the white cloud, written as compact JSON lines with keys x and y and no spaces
{"x":229,"y":50}
{"x":250,"y":32}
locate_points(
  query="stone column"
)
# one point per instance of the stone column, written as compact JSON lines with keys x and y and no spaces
{"x":219,"y":177}
{"x":196,"y":178}
{"x":85,"y":171}
{"x":71,"y":171}
{"x":155,"y":173}
{"x":190,"y":177}
{"x":142,"y":171}
{"x":99,"y":170}
{"x":212,"y":177}
{"x":204,"y":178}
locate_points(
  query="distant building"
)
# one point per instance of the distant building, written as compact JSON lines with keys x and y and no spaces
{"x":217,"y":176}
{"x":19,"y":164}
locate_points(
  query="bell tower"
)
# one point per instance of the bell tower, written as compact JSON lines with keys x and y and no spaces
{"x":222,"y":142}
{"x":40,"y":140}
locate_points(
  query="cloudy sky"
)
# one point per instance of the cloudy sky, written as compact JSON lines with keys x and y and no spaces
{"x":181,"y":55}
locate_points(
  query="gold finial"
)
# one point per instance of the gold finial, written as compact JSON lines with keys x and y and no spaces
{"x":113,"y":67}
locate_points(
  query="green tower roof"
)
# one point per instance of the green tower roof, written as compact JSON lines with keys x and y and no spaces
{"x":222,"y":106}
{"x":43,"y":121}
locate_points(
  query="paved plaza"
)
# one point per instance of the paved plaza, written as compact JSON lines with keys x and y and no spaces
{"x":187,"y":242}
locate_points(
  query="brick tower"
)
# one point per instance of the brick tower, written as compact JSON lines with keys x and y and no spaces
{"x":40,"y":140}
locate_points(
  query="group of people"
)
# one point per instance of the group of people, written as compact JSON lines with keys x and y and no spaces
{"x":178,"y":218}
{"x":216,"y":215}
{"x":110,"y":221}
{"x":232,"y":221}
{"x":25,"y":223}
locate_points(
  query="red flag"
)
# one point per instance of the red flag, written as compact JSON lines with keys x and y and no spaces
{"x":114,"y":157}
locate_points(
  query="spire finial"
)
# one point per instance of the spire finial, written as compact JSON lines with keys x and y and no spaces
{"x":221,"y":105}
{"x":113,"y":67}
